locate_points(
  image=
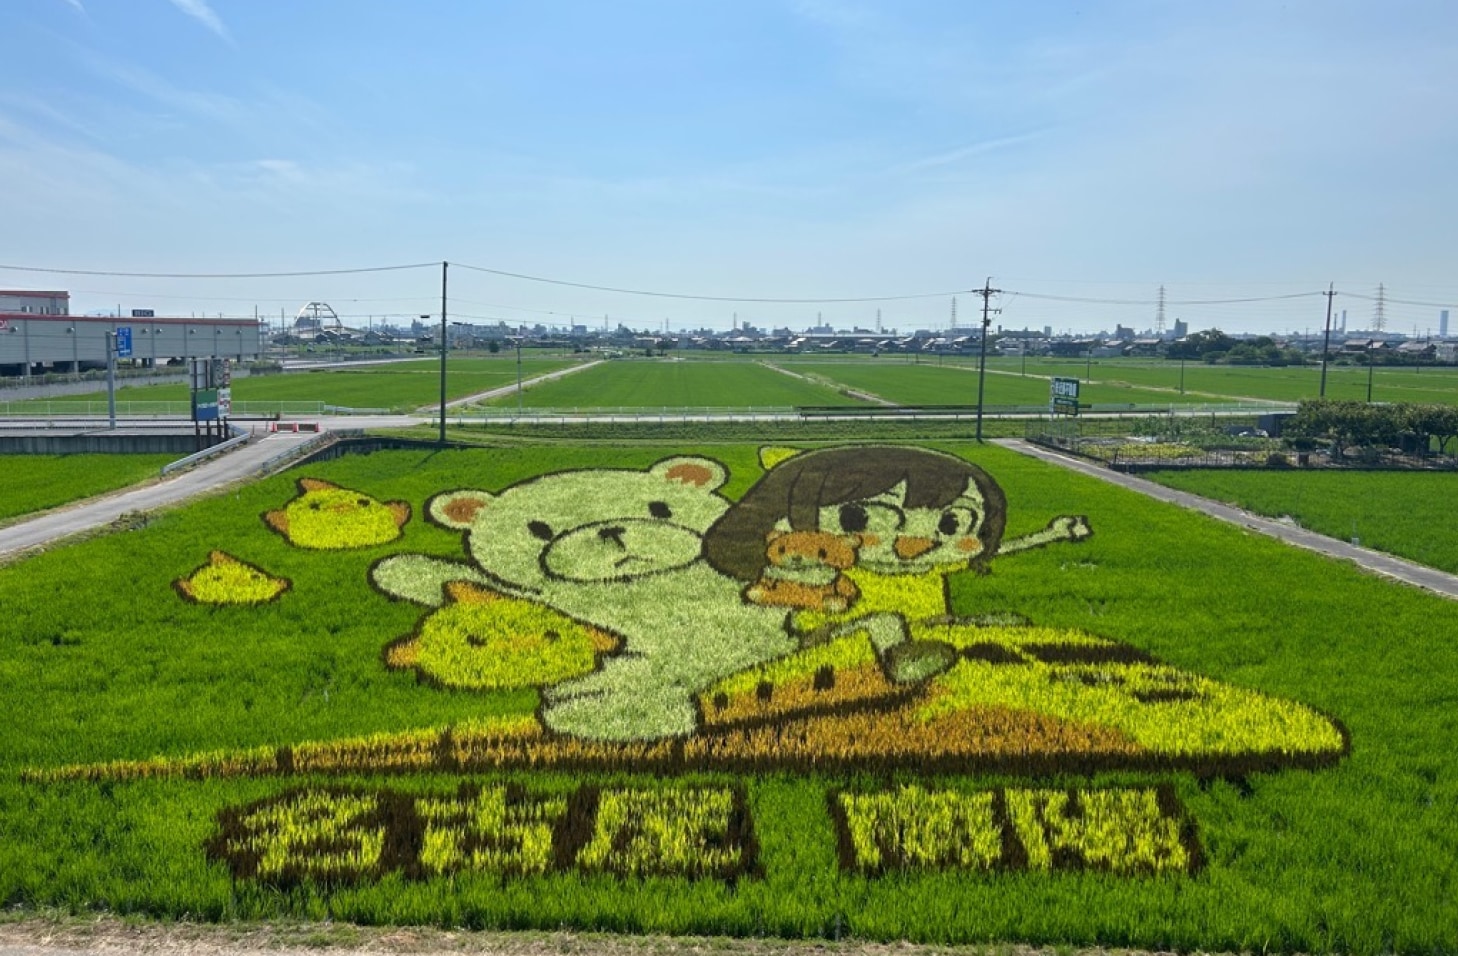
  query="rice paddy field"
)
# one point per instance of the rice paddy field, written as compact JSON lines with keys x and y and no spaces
{"x":505,"y":688}
{"x":1409,"y":514}
{"x":956,"y":384}
{"x":37,"y":482}
{"x":399,"y":386}
{"x":745,"y":381}
{"x":676,"y":384}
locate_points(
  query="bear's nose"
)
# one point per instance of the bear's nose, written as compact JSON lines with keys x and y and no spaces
{"x":613,"y":534}
{"x":907,"y":548}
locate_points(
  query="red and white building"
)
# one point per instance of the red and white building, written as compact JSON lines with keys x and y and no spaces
{"x":38,"y":334}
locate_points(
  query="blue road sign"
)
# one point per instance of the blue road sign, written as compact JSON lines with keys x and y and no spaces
{"x":124,"y":342}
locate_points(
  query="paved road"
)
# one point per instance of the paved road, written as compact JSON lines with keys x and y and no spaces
{"x":243,"y":462}
{"x":1439,"y":582}
{"x":240,"y":463}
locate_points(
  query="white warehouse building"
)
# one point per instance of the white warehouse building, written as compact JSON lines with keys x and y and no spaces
{"x":37,"y":335}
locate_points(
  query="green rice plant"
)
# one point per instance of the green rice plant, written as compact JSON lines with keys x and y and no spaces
{"x":671,"y":384}
{"x":913,"y":828}
{"x":212,"y":706}
{"x":494,"y":830}
{"x":1401,"y":512}
{"x":308,"y":834}
{"x":226,"y":580}
{"x":1123,"y":831}
{"x":38,"y":482}
{"x":692,"y":832}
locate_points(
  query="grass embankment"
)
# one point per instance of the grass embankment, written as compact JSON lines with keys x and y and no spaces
{"x":37,"y":482}
{"x":101,"y":660}
{"x":675,"y":384}
{"x":1409,"y":514}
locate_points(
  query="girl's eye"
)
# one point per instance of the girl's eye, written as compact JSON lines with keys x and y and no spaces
{"x":540,"y":529}
{"x":852,"y":518}
{"x":948,"y":524}
{"x":660,"y":509}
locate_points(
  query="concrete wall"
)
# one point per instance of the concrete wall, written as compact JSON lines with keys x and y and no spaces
{"x":97,"y":444}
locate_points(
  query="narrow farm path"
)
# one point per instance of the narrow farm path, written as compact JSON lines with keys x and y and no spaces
{"x":1439,"y":582}
{"x":108,"y":936}
{"x":505,"y":390}
{"x":864,"y":396}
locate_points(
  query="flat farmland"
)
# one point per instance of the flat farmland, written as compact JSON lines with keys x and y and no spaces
{"x":677,"y":384}
{"x":37,"y":482}
{"x":1234,"y":382}
{"x":400,"y":386}
{"x":1409,"y":514}
{"x":929,"y":383}
{"x":274,"y":742}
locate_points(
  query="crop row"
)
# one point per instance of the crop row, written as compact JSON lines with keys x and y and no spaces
{"x":335,"y":836}
{"x":1124,"y":831}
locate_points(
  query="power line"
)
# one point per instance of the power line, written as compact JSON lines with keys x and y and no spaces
{"x":219,"y":275}
{"x":1155,"y":302}
{"x":705,"y":298}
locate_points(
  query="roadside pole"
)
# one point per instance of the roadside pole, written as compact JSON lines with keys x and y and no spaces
{"x":111,"y":380}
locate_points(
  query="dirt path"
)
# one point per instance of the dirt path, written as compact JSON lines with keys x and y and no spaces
{"x":846,"y":390}
{"x":108,"y":936}
{"x":504,"y":390}
{"x":1408,"y":572}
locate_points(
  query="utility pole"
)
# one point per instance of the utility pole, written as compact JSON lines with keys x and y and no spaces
{"x":443,"y":346}
{"x":1330,"y":293}
{"x":987,"y":292}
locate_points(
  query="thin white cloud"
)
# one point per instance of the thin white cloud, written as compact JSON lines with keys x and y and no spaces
{"x":967,"y":152}
{"x":204,"y":14}
{"x":75,"y":5}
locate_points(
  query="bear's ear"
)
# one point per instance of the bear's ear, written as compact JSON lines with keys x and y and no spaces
{"x":316,"y":484}
{"x":771,"y":455}
{"x":457,"y":509}
{"x":703,"y":473}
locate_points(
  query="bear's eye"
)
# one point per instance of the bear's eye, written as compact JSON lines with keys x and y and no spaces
{"x":540,"y":529}
{"x":948,"y":524}
{"x":362,"y":502}
{"x":660,"y":509}
{"x":314,"y":506}
{"x":852,"y":518}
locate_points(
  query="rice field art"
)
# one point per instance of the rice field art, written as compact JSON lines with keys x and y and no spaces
{"x":641,"y":664}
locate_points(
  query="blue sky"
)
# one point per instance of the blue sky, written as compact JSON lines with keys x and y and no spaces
{"x":755,"y":149}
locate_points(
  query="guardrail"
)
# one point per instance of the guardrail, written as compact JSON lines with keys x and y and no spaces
{"x":296,"y":451}
{"x":48,"y":408}
{"x":239,"y":438}
{"x":506,"y":414}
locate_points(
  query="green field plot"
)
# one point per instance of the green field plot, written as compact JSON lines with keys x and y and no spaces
{"x":37,"y":482}
{"x":897,"y":692}
{"x":956,"y":384}
{"x":1238,"y":382}
{"x":675,"y":384}
{"x":399,"y":386}
{"x":1409,"y":514}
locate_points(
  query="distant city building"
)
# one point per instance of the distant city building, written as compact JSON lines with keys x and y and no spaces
{"x":1181,"y":329}
{"x":1443,"y":323}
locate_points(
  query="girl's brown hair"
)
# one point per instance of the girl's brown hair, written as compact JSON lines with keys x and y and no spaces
{"x":798,"y":488}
